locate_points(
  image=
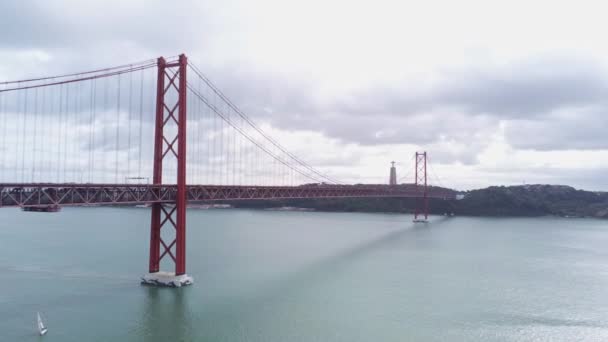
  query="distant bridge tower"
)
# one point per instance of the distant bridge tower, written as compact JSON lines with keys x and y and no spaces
{"x":422,"y":200}
{"x":393,"y":178}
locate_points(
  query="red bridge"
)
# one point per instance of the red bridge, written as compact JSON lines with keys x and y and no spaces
{"x":64,"y":137}
{"x":44,"y":195}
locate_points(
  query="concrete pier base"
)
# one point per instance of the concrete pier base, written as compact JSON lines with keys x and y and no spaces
{"x":166,"y":279}
{"x":420,"y":221}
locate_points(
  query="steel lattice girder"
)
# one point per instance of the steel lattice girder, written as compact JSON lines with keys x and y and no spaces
{"x":25,"y":194}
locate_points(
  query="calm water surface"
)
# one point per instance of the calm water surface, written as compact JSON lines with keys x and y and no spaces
{"x":305,"y":276}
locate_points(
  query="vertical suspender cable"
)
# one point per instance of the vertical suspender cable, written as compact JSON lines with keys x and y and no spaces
{"x":208,"y":133}
{"x":58,"y":133}
{"x":15,"y":134}
{"x":94,"y":139}
{"x":76,"y":169}
{"x":51,"y":131}
{"x":141,"y":113}
{"x":90,"y":145}
{"x":220,"y":151}
{"x":103,"y":129}
{"x":74,"y":160}
{"x":43,"y":134}
{"x":66,"y":130}
{"x":23,"y":130}
{"x":234,"y":151}
{"x":227,"y":152}
{"x":3,"y":149}
{"x":3,"y":97}
{"x":129,"y":125}
{"x":215,"y":135}
{"x":35,"y":135}
{"x":117,"y":132}
{"x":199,"y":148}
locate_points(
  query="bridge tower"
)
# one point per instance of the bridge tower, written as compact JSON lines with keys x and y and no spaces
{"x":422,"y":200}
{"x":169,"y":145}
{"x":393,"y":176}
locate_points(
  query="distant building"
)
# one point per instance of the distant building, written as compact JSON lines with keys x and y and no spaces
{"x":393,"y":178}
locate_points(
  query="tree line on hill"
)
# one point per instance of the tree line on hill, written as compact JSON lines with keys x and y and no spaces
{"x":521,"y":200}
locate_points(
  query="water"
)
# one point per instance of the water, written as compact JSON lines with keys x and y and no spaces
{"x":305,"y":276}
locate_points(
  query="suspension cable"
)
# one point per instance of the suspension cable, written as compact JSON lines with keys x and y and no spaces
{"x":253,"y":141}
{"x":103,"y":70}
{"x":252,"y":124}
{"x":79,"y":79}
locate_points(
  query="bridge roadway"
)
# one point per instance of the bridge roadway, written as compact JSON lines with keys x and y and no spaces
{"x":72,"y":194}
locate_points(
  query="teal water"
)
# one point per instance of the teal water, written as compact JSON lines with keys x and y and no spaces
{"x":305,"y":276}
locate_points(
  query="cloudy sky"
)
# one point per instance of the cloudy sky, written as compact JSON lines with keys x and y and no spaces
{"x":496,"y":92}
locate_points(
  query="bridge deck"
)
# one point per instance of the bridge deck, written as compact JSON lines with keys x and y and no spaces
{"x":46,"y":194}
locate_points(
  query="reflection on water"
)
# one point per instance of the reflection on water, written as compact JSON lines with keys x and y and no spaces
{"x":295,"y":276}
{"x":166,"y":315}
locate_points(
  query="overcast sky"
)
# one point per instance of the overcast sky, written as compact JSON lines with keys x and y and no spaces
{"x":496,"y":92}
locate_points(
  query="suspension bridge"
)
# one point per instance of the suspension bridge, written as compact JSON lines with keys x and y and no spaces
{"x":98,"y":138}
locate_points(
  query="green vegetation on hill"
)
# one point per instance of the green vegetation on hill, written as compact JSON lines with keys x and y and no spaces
{"x":534,"y":200}
{"x":523,"y":200}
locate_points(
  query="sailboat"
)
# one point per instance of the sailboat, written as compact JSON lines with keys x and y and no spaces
{"x":41,"y":328}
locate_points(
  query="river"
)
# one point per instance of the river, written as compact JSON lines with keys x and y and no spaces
{"x":305,"y":276}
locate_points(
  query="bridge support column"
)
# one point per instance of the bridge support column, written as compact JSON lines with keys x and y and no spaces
{"x":169,"y":144}
{"x":422,"y":199}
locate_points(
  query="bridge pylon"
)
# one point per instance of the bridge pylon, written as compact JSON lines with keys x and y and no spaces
{"x":422,"y":200}
{"x":169,"y":145}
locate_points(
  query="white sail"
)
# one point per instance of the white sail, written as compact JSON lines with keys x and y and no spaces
{"x":41,"y":328}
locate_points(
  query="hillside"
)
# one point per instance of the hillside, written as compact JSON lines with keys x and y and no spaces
{"x":522,"y":200}
{"x":533,"y":200}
